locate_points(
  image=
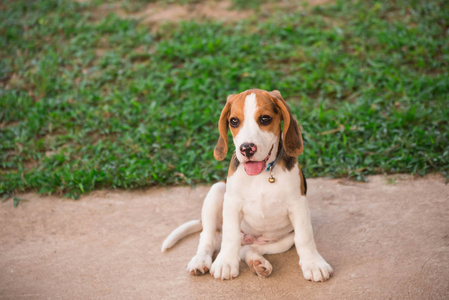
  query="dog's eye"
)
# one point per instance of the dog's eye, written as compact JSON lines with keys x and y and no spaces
{"x":234,"y":122}
{"x":265,"y":120}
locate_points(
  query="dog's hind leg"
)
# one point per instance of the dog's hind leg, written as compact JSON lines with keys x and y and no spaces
{"x":211,"y":217}
{"x":253,"y":254}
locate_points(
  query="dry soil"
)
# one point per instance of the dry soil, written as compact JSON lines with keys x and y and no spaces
{"x":388,"y":238}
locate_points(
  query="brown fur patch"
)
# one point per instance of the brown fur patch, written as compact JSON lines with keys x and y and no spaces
{"x":287,"y":162}
{"x":303,"y":182}
{"x":266,"y":107}
{"x":221,"y":149}
{"x":292,"y":136}
{"x":237,"y":111}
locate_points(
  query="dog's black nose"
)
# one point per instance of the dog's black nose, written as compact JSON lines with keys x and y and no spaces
{"x":248,"y":149}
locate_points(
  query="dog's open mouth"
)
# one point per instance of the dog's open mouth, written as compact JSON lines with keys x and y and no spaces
{"x":255,"y":167}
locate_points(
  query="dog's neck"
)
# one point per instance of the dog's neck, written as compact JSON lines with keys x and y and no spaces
{"x":279,"y":154}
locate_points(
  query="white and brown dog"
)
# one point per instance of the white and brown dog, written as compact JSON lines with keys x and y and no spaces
{"x":262,"y":208}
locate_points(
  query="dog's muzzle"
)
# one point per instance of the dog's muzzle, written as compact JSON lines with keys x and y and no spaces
{"x":255,"y":167}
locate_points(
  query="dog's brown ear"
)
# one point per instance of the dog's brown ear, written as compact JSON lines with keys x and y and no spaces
{"x":221,"y":149}
{"x":292,"y":138}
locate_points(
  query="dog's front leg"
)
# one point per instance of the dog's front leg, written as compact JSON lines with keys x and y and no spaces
{"x":313,"y":266}
{"x":226,"y":265}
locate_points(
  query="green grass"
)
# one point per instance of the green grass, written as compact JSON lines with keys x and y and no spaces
{"x":91,"y":101}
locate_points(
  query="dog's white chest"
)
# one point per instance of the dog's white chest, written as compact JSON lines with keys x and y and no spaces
{"x":265,"y":204}
{"x":265,"y":215}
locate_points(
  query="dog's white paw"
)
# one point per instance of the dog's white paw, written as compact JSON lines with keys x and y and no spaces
{"x":316,"y":268}
{"x":261,"y":267}
{"x":225,"y":267}
{"x":199,"y":265}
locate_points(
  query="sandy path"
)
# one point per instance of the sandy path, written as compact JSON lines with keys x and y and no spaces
{"x":383,"y":240}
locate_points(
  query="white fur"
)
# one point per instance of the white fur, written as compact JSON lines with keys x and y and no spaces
{"x":250,"y":204}
{"x":180,"y":233}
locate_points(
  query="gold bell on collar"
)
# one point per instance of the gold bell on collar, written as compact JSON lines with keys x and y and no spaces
{"x":271,"y":179}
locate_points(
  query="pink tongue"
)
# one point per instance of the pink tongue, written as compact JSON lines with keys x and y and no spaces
{"x":254,"y":167}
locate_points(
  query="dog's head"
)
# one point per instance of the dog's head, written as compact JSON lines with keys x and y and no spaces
{"x":254,"y":117}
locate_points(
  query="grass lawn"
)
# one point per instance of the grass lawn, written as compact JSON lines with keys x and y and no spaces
{"x":92,"y":97}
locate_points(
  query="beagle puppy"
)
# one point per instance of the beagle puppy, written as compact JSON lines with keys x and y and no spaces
{"x":262,"y":208}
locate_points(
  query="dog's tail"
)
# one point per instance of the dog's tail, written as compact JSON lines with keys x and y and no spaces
{"x":180,"y":233}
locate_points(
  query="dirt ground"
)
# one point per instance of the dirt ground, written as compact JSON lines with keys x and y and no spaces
{"x":386,"y":239}
{"x":158,"y":13}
